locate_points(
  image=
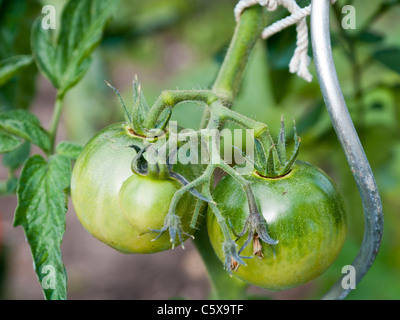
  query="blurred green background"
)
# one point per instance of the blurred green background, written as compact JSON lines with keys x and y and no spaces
{"x":181,"y":44}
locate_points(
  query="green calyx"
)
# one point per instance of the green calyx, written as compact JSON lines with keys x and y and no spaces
{"x":274,"y":161}
{"x":158,"y":170}
{"x":140,"y":110}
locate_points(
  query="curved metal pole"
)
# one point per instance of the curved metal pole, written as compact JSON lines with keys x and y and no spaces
{"x":337,"y":109}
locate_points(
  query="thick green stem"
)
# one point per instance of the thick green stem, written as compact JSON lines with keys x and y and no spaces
{"x":261,"y":132}
{"x":170,"y":98}
{"x":58,"y":107}
{"x":231,"y":73}
{"x":226,"y":114}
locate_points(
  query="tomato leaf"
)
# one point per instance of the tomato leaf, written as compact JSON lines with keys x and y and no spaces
{"x":389,"y":57}
{"x":25,"y":125}
{"x":64,"y":61}
{"x":69,"y":149}
{"x":44,"y":52}
{"x":11,"y":66}
{"x":42,"y":205}
{"x":8,"y":142}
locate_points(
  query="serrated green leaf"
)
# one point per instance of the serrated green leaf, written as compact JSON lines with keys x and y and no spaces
{"x":8,"y":142}
{"x":389,"y":57}
{"x":42,"y":205}
{"x":69,"y":149}
{"x":65,"y":61}
{"x":14,"y":159}
{"x":44,"y":52}
{"x":10,"y":67}
{"x":25,"y":125}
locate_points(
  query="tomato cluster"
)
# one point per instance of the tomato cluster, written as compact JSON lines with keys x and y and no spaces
{"x":301,"y":209}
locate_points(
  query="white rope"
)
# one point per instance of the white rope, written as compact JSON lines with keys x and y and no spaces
{"x":300,"y":61}
{"x":286,"y":22}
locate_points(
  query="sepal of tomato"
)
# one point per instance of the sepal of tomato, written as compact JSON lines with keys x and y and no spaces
{"x":304,"y":211}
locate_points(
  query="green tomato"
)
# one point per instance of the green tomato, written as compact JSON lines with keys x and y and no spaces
{"x":304,"y":211}
{"x":102,"y":170}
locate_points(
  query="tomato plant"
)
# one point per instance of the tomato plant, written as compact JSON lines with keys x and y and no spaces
{"x":278,"y":226}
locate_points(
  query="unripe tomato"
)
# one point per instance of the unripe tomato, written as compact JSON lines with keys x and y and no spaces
{"x":102,"y":169}
{"x":304,"y":211}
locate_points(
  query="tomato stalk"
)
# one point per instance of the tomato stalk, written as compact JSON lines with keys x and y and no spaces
{"x":230,"y":75}
{"x":217,"y":111}
{"x":218,"y":103}
{"x":222,"y":286}
{"x":172,"y":221}
{"x":227,"y":84}
{"x":244,"y":39}
{"x":256,"y":225}
{"x":170,"y":98}
{"x":58,"y":108}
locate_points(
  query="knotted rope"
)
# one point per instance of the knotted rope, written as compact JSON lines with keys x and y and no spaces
{"x":300,"y":61}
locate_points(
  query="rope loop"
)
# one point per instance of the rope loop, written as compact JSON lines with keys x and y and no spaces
{"x":300,"y":62}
